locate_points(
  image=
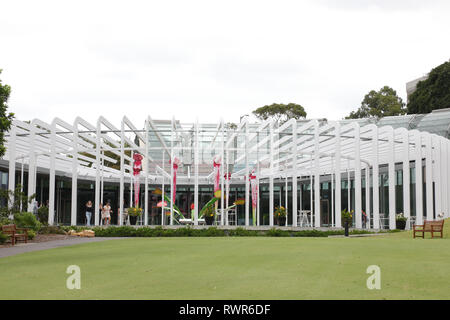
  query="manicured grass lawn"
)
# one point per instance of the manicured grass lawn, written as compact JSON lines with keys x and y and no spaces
{"x":234,"y":268}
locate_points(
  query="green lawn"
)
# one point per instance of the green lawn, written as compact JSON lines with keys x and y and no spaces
{"x":234,"y":268}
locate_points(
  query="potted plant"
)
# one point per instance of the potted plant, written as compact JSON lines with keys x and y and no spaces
{"x":134,"y":213}
{"x":209,"y":214}
{"x":400,"y":221}
{"x":280,"y":215}
{"x":347,"y":220}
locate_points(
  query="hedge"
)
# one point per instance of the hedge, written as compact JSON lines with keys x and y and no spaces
{"x":128,"y":231}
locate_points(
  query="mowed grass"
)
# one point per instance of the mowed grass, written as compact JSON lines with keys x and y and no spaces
{"x":234,"y":268}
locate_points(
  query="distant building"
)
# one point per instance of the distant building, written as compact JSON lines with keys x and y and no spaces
{"x":412,"y":85}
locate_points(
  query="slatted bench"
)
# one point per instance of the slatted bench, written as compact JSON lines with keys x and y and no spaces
{"x":429,"y":226}
{"x":12,"y":231}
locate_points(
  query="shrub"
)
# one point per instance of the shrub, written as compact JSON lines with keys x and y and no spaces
{"x":347,"y":216}
{"x":3,"y":237}
{"x":159,"y":231}
{"x":31,"y":234}
{"x":5,"y":221}
{"x":43,"y":215}
{"x":51,"y":230}
{"x":27,"y":220}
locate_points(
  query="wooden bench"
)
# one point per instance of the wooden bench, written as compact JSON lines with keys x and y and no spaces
{"x":429,"y":226}
{"x":12,"y":231}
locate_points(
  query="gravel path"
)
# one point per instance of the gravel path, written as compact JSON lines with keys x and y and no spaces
{"x":36,"y":246}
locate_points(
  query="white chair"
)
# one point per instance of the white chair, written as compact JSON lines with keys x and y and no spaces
{"x":232,"y":217}
{"x":302,"y":218}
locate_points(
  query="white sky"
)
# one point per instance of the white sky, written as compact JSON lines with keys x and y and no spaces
{"x":212,"y":59}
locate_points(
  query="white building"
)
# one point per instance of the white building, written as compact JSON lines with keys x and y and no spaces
{"x":313,"y":168}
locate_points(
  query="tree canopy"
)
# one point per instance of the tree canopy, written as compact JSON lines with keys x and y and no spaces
{"x":382,"y":103}
{"x":280,"y":112}
{"x":432,"y":93}
{"x":5,"y":118}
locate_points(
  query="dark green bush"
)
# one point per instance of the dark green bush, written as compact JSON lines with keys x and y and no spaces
{"x":27,"y":220}
{"x":3,"y":237}
{"x":51,"y":230}
{"x":43,"y":215}
{"x":31,"y":234}
{"x":129,"y":231}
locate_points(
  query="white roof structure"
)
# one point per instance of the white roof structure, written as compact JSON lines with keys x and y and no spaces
{"x":295,"y":149}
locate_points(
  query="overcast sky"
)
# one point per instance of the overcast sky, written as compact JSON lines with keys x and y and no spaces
{"x":212,"y":59}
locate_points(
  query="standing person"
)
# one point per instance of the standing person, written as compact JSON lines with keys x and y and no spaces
{"x":100,"y":213}
{"x":35,"y":208}
{"x":107,"y":213}
{"x":88,"y":213}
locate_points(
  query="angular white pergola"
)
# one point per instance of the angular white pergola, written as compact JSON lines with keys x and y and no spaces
{"x":297,"y":149}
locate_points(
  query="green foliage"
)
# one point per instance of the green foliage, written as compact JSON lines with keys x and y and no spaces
{"x":432,"y":93}
{"x":280,"y":212}
{"x":280,"y":112}
{"x":5,"y":221}
{"x":51,"y":230}
{"x":43,"y":215}
{"x":208,"y":208}
{"x":134,"y":211}
{"x":128,"y":231}
{"x":382,"y":103}
{"x":400,"y":217}
{"x":5,"y":118}
{"x":13,"y":206}
{"x":3,"y":237}
{"x":31,"y":234}
{"x":27,"y":220}
{"x":347,"y":217}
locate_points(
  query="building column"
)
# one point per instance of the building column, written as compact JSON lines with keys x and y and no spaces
{"x":196,"y":160}
{"x":31,"y":166}
{"x":294,"y":174}
{"x":12,"y":162}
{"x":74,"y":199}
{"x":122,"y":171}
{"x":375,"y":183}
{"x":316,"y":175}
{"x":51,"y":182}
{"x":445,"y":168}
{"x":97,"y":173}
{"x":368,"y":215}
{"x":337,"y":172}
{"x":429,"y":142}
{"x":271,"y":202}
{"x":246,"y":177}
{"x":406,"y":178}
{"x":419,"y":179}
{"x":146,"y":173}
{"x":172,"y":200}
{"x":391,"y":178}
{"x":358,"y":205}
{"x":221,"y":171}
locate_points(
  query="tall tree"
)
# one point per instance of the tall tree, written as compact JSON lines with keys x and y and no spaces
{"x":382,"y":103}
{"x":280,"y":112}
{"x":5,"y":118}
{"x":432,"y":93}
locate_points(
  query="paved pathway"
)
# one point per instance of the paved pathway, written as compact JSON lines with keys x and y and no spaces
{"x":28,"y":247}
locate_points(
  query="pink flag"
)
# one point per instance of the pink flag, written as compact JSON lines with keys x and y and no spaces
{"x":216,"y":164}
{"x":137,"y":168}
{"x":254,"y":187}
{"x":176,"y":162}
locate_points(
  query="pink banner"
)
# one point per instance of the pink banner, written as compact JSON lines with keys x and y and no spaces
{"x":137,"y":168}
{"x":254,"y":187}
{"x":216,"y":164}
{"x":176,"y":163}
